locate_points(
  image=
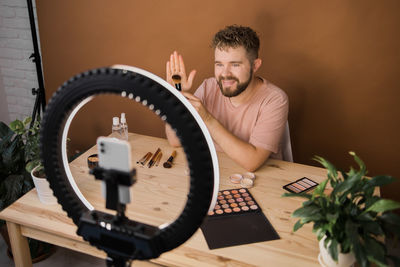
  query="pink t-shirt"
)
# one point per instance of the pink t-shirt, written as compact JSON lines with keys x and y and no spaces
{"x":261,"y":121}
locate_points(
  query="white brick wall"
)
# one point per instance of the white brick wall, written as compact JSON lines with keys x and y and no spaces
{"x":17,"y":71}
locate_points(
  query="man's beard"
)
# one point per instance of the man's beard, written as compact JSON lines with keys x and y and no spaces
{"x":240,"y":86}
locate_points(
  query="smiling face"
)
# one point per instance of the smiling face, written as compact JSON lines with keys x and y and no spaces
{"x":233,"y":70}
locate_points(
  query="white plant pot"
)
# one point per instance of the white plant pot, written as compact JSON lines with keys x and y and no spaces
{"x":43,"y":190}
{"x":325,"y":259}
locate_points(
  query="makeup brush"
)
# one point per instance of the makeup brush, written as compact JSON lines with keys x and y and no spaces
{"x":147,"y":157}
{"x":158,"y":158}
{"x":143,"y":158}
{"x":151,"y":162}
{"x":168,"y":163}
{"x":177,"y":80}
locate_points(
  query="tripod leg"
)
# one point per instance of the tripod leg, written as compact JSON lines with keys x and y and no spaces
{"x":36,"y":107}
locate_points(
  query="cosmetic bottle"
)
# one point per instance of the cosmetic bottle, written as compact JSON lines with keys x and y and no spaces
{"x":124,"y":127}
{"x":116,"y":128}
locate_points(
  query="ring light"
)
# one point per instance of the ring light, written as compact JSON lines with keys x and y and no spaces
{"x":171,"y":106}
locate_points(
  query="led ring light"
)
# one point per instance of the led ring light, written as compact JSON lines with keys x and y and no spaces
{"x":172,"y":107}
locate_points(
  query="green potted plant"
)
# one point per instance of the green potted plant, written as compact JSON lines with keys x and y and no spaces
{"x":18,"y":146}
{"x":33,"y":161}
{"x":351,"y":219}
{"x":32,"y":153}
{"x":14,"y":180}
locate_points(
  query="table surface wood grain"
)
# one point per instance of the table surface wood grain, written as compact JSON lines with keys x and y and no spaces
{"x":159,"y":196}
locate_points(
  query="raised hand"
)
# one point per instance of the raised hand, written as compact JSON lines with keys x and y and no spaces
{"x":176,"y":66}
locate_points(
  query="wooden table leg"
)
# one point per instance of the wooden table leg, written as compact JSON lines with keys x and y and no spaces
{"x":19,"y":245}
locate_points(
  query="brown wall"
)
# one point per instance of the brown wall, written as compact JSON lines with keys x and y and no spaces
{"x":338,"y":61}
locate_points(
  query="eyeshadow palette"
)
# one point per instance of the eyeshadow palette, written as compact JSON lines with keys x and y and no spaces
{"x":237,"y":219}
{"x":301,"y":185}
{"x":234,"y":201}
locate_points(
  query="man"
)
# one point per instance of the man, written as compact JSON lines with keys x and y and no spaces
{"x":245,"y":114}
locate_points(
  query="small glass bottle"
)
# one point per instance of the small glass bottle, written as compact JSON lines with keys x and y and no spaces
{"x":124,"y":127}
{"x":116,"y":128}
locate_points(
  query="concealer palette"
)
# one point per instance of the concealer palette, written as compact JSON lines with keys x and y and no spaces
{"x":301,"y":185}
{"x":234,"y":201}
{"x":237,"y":219}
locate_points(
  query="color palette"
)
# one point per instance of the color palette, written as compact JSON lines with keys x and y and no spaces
{"x":237,"y":219}
{"x":301,"y":185}
{"x":234,"y":201}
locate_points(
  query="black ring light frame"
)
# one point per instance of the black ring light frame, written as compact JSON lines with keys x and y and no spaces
{"x":166,"y":102}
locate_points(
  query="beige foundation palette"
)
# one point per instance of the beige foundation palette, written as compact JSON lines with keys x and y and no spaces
{"x":234,"y":201}
{"x":301,"y":185}
{"x":237,"y":219}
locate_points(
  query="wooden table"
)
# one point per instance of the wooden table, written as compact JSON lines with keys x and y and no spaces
{"x":159,"y":196}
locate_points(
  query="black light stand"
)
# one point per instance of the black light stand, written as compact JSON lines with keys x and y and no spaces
{"x":40,"y":101}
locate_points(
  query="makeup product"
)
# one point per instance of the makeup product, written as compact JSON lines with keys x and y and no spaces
{"x":247,"y":183}
{"x":158,"y":158}
{"x":143,"y":158}
{"x":249,"y":175}
{"x":152,"y":160}
{"x":177,"y":80}
{"x":93,"y":161}
{"x":168,"y":163}
{"x":147,"y":157}
{"x":234,"y":201}
{"x":237,"y":219}
{"x":236,"y":178}
{"x":124,"y":127}
{"x":301,"y":185}
{"x":116,"y":128}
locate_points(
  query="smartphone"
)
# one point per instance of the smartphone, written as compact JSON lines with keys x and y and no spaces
{"x":115,"y":154}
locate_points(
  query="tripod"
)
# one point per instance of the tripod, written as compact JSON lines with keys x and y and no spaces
{"x":40,"y":101}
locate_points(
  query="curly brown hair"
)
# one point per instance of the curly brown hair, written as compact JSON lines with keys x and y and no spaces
{"x":234,"y":36}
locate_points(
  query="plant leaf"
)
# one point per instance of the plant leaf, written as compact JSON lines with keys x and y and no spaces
{"x":320,"y":234}
{"x":332,"y":171}
{"x":383,"y":205}
{"x":4,"y":130}
{"x":306,"y":211}
{"x":351,"y":232}
{"x":332,"y":217}
{"x":391,"y":218}
{"x":312,"y":218}
{"x":361,"y":163}
{"x":319,"y":190}
{"x":380,"y":180}
{"x":365,"y":217}
{"x":297,"y":226}
{"x":375,"y":250}
{"x":333,"y":249}
{"x":390,"y":223}
{"x":12,"y":188}
{"x":372,"y":260}
{"x":13,"y":155}
{"x":371,"y":201}
{"x":347,"y":184}
{"x":31,"y":165}
{"x":371,"y":227}
{"x":17,"y":126}
{"x":27,"y":120}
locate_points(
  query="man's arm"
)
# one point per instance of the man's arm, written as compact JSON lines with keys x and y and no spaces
{"x":243,"y":153}
{"x":171,"y":136}
{"x":175,"y":65}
